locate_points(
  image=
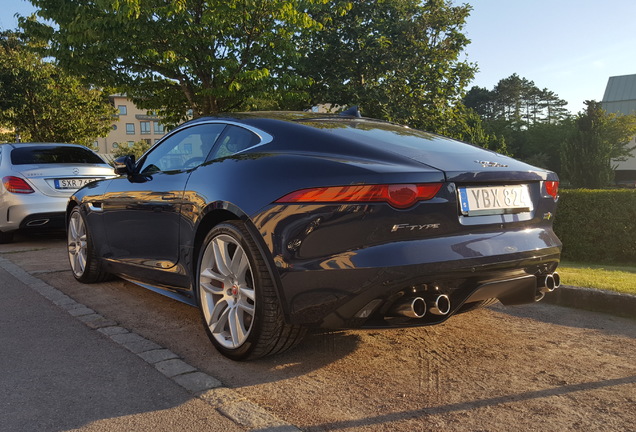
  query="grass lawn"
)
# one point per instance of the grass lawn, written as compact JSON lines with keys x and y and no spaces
{"x":615,"y":278}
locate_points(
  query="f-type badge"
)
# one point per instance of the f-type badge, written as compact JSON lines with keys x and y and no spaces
{"x":409,"y":227}
{"x":489,"y":164}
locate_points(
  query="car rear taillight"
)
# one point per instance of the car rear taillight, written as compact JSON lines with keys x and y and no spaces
{"x":400,"y":196}
{"x":552,"y":189}
{"x":16,"y":185}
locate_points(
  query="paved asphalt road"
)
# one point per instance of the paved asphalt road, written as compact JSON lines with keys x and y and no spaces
{"x":58,"y":374}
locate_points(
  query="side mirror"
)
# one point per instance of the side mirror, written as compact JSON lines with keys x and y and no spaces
{"x":125,"y":165}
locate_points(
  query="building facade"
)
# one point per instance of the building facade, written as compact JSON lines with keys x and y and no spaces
{"x":130,"y":125}
{"x":620,"y":98}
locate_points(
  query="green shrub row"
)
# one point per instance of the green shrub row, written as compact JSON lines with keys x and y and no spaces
{"x":597,"y":225}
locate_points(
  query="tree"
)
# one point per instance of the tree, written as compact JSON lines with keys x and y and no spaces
{"x":598,"y":139}
{"x":518,"y":102}
{"x":136,"y":150}
{"x":397,"y":59}
{"x":207,"y":56}
{"x":43,"y":103}
{"x":532,"y":122}
{"x":470,"y":128}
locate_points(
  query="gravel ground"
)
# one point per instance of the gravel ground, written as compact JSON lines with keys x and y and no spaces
{"x":536,"y":367}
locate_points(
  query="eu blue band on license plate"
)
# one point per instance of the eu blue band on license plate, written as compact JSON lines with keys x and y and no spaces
{"x":463,"y":199}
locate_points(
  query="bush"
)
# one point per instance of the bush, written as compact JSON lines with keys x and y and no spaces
{"x":597,"y":225}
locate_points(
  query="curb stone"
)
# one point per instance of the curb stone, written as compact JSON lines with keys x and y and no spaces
{"x":201,"y":385}
{"x":591,"y":299}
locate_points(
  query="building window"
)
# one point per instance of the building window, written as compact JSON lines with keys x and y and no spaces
{"x":122,"y":109}
{"x":115,"y":145}
{"x":130,"y":128}
{"x":158,"y":128}
{"x":144,"y":127}
{"x":147,"y":141}
{"x":131,"y":143}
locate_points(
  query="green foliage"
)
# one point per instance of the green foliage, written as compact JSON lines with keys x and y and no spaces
{"x":597,"y":226}
{"x":532,"y":122}
{"x":469,"y":128}
{"x":205,"y":56}
{"x":137,"y":150}
{"x":517,"y":101}
{"x":598,"y":139}
{"x":397,"y":59}
{"x":43,"y":103}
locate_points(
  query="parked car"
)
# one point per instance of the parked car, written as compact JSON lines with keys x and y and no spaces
{"x":37,"y":181}
{"x":272,"y":223}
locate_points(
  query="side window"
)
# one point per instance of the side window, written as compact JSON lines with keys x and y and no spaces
{"x":233,"y":140}
{"x":184,"y":150}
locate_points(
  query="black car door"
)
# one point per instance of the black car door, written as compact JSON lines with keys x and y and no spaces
{"x":142,"y":212}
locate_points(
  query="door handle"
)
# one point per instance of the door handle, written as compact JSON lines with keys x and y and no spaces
{"x":95,"y":206}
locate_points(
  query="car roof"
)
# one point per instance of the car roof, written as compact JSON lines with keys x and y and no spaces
{"x":287,"y":116}
{"x":42,"y":145}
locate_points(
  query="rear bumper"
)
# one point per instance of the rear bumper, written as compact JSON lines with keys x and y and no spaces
{"x":32,"y":212}
{"x":358,"y":288}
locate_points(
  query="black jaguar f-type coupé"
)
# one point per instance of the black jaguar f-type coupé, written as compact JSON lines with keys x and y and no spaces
{"x":272,"y":223}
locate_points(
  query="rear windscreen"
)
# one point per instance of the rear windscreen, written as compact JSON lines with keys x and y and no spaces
{"x":53,"y":155}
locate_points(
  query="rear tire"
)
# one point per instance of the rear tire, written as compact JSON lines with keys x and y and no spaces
{"x":239,"y":306}
{"x":85,"y":265}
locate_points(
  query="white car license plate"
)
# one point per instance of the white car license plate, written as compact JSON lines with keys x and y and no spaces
{"x":476,"y":200}
{"x":74,"y":183}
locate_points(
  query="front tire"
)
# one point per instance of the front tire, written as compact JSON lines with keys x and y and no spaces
{"x":85,"y":265}
{"x":239,"y":306}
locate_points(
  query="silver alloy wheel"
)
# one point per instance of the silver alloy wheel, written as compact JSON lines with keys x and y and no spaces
{"x":226,"y":290}
{"x":77,"y":244}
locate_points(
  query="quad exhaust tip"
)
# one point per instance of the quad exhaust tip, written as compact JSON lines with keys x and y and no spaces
{"x":441,"y":305}
{"x":547,"y":284}
{"x":417,"y":307}
{"x":414,"y":307}
{"x":550,"y":282}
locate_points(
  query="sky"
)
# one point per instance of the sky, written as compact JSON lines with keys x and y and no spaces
{"x":570,"y":47}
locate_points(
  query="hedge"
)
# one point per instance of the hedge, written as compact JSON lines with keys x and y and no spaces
{"x":597,"y":225}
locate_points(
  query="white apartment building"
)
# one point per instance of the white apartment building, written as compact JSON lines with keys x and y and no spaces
{"x":130,"y":125}
{"x":620,"y":98}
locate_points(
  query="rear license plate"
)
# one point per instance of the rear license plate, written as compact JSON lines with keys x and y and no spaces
{"x":74,"y":183}
{"x":480,"y":200}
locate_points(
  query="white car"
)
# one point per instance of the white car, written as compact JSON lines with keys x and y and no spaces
{"x":38,"y":179}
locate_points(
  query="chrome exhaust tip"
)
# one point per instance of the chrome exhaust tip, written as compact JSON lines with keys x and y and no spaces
{"x":441,"y":305}
{"x":414,"y":307}
{"x":548,"y":284}
{"x":37,"y":223}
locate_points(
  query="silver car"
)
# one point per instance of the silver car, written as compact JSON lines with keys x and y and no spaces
{"x":38,"y":179}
